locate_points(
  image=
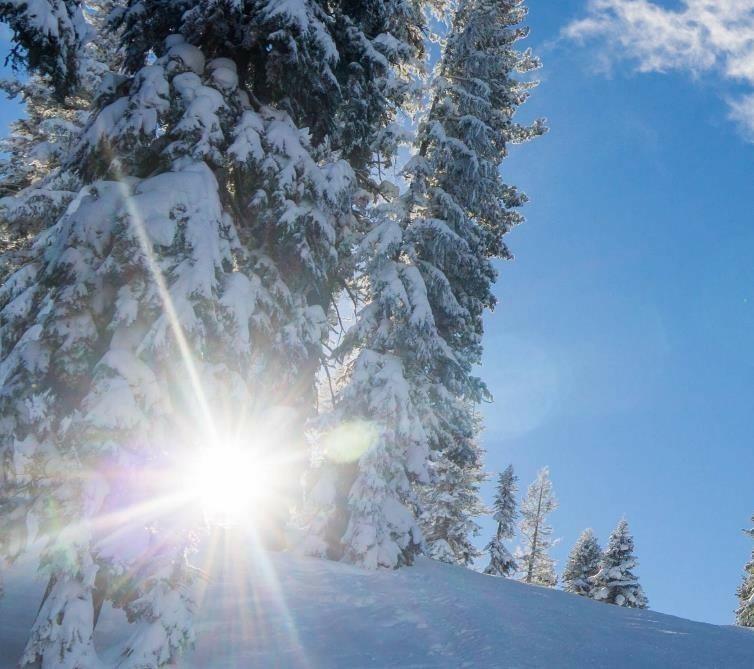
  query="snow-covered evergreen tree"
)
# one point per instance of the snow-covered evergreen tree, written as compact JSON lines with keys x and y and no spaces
{"x":131,"y":297}
{"x":48,"y":36}
{"x":450,"y":504}
{"x":428,"y":268}
{"x":615,"y":582}
{"x":366,"y":508}
{"x":583,"y":563}
{"x":459,"y":208}
{"x":364,"y":511}
{"x":381,"y":66}
{"x":745,"y":592}
{"x":183,"y":288}
{"x":35,"y":186}
{"x":502,"y":562}
{"x":533,"y":557}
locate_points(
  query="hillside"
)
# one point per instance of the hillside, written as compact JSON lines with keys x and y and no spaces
{"x":284,"y":611}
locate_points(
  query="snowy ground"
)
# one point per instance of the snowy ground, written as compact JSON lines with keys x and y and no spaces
{"x":282,"y":611}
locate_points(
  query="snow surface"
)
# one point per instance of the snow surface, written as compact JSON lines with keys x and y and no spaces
{"x":277,"y":610}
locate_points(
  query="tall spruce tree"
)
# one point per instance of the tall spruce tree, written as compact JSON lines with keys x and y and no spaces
{"x":184,"y":287}
{"x":362,"y":509}
{"x":533,"y":557}
{"x":430,"y":255}
{"x":745,"y":591}
{"x":459,"y":208}
{"x":583,"y":564}
{"x":502,"y":562}
{"x":615,"y":582}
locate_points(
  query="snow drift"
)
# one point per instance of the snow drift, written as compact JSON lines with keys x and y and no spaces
{"x":277,"y":610}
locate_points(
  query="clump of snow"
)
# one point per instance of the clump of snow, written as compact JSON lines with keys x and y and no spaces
{"x":224,"y":73}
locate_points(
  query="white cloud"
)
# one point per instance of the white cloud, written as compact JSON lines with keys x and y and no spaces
{"x":742,"y":112}
{"x":699,"y":36}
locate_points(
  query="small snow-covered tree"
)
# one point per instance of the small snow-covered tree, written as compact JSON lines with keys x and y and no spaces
{"x":450,"y":506}
{"x":583,"y":563}
{"x":533,"y":557}
{"x":615,"y":582}
{"x":745,"y":592}
{"x":502,"y":562}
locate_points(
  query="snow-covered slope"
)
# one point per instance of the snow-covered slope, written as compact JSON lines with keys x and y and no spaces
{"x":282,"y":611}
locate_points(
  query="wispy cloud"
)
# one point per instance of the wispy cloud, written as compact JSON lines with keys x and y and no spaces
{"x":700,"y":36}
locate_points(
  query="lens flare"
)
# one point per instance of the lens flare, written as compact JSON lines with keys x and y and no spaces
{"x":349,"y":441}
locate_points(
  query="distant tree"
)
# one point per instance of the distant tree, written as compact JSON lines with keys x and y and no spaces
{"x":745,"y":592}
{"x":502,"y":562}
{"x":451,"y":506}
{"x":534,"y":561}
{"x":583,"y":563}
{"x":615,"y":583}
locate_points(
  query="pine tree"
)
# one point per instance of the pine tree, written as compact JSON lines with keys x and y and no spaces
{"x":366,"y":508}
{"x":363,"y":511}
{"x":745,"y":592}
{"x":35,"y":186}
{"x":191,"y":268}
{"x":48,"y":36}
{"x":583,"y":564}
{"x":459,"y":208}
{"x":450,"y":506}
{"x":533,"y":558}
{"x":502,"y":562}
{"x":615,"y":583}
{"x":95,"y":393}
{"x":430,"y":260}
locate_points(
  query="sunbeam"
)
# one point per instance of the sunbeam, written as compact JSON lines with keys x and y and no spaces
{"x":166,"y":298}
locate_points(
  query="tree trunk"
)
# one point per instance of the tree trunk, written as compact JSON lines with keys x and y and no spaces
{"x":535,"y":538}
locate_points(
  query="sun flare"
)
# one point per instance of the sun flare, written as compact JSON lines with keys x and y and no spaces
{"x":231,"y":485}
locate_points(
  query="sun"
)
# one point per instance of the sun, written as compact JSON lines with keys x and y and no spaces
{"x":241,"y":470}
{"x":231,"y":484}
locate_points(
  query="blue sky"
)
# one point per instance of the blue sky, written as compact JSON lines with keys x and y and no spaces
{"x":621,"y":351}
